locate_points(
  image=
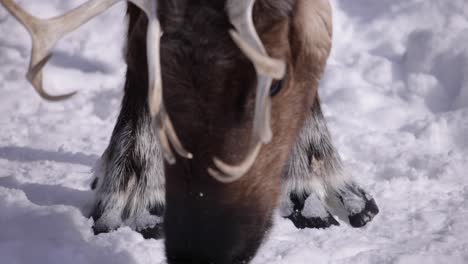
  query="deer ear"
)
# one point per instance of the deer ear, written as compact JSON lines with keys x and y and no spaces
{"x":310,"y":39}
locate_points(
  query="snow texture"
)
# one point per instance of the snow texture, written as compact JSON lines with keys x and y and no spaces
{"x":395,"y":96}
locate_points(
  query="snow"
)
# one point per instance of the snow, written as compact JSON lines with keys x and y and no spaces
{"x":395,"y":96}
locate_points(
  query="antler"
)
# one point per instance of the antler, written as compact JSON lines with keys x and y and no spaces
{"x":164,"y":127}
{"x":46,"y":32}
{"x":245,"y":36}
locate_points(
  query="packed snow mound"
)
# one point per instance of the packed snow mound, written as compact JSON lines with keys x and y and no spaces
{"x":395,"y":95}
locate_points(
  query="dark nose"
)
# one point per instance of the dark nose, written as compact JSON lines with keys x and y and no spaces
{"x":214,"y":223}
{"x":210,"y":232}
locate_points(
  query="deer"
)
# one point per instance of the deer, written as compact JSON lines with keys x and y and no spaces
{"x":220,"y":124}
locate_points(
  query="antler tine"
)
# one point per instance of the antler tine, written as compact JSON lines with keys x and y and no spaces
{"x":245,"y":36}
{"x":226,"y":173}
{"x":164,"y":126}
{"x":241,"y":14}
{"x":168,"y":137}
{"x":265,"y":65}
{"x":46,"y":32}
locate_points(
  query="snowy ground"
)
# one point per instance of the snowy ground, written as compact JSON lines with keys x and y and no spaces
{"x":396,"y":98}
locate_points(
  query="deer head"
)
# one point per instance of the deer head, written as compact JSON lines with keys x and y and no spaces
{"x":238,"y":78}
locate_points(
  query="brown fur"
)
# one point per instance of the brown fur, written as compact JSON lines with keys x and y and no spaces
{"x":209,"y":91}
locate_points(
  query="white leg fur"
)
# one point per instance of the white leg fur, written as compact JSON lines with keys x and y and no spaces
{"x":122,"y":198}
{"x":315,"y":172}
{"x":314,"y":165}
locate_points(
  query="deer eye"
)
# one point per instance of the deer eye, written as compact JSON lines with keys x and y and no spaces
{"x":276,"y":87}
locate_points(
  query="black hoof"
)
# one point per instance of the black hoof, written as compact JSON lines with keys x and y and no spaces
{"x":156,"y":232}
{"x":365,"y":216}
{"x":98,"y":230}
{"x":96,"y":214}
{"x":302,"y":222}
